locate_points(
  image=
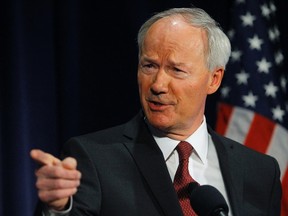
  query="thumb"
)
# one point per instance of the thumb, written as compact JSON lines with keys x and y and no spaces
{"x":69,"y":163}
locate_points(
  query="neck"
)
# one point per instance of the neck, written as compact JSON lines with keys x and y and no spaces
{"x":175,"y":134}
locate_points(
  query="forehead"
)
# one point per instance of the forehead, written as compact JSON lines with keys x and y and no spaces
{"x":176,"y":34}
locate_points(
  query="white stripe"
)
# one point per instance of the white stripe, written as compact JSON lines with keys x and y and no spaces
{"x":239,"y":124}
{"x":278,"y":147}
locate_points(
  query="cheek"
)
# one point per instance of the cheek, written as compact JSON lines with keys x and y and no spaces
{"x":143,"y":81}
{"x":142,"y":85}
{"x":199,"y":85}
{"x":193,"y":93}
{"x":139,"y":79}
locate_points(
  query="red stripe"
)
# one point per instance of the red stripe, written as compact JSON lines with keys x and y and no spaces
{"x":260,"y":133}
{"x":284,"y":207}
{"x":223,"y":117}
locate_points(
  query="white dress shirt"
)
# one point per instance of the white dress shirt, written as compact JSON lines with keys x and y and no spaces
{"x":203,"y":162}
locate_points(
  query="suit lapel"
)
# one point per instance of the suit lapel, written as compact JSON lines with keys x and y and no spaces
{"x":232,"y":175}
{"x":152,"y":166}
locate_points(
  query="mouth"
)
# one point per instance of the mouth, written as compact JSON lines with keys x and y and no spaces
{"x":157,"y":106}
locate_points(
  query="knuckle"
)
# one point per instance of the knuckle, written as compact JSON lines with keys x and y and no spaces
{"x":38,"y":184}
{"x":56,"y":172}
{"x":58,"y":184}
{"x":42,"y":196}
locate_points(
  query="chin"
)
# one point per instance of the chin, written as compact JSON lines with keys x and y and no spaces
{"x":159,"y":121}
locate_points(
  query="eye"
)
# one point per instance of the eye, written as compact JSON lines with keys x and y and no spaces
{"x":178,"y":73}
{"x":148,"y":68}
{"x":177,"y":70}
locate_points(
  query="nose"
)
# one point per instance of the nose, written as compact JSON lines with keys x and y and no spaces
{"x":160,"y":82}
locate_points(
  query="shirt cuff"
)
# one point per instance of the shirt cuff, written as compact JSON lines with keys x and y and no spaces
{"x":51,"y":212}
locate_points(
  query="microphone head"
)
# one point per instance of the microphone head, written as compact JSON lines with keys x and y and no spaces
{"x":206,"y":200}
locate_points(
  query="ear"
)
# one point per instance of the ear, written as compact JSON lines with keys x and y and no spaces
{"x":215,"y":80}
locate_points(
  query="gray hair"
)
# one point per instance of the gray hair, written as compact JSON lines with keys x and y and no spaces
{"x":219,"y":47}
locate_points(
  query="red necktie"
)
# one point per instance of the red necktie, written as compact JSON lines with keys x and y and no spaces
{"x":182,"y":178}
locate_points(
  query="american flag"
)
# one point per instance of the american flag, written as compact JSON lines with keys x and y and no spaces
{"x":253,"y":105}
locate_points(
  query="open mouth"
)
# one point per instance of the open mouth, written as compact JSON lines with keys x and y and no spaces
{"x":156,"y":106}
{"x":156,"y":103}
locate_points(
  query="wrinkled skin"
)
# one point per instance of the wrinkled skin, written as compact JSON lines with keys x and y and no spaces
{"x":173,"y":78}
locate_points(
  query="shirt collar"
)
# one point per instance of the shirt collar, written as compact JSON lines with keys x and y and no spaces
{"x":199,"y":141}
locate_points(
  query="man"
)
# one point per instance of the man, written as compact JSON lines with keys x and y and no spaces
{"x":129,"y":169}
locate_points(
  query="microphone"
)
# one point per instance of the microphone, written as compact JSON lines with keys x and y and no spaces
{"x":206,"y":200}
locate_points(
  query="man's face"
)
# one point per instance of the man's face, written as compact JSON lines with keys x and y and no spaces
{"x":173,"y":78}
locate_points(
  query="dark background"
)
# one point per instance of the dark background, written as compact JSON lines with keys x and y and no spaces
{"x":69,"y":67}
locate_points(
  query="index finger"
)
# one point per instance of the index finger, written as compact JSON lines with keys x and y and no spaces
{"x":43,"y":158}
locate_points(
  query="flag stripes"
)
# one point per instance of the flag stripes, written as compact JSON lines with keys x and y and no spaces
{"x":253,"y":106}
{"x":256,"y":132}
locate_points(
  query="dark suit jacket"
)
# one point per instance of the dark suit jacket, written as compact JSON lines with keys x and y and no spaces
{"x":124,"y":173}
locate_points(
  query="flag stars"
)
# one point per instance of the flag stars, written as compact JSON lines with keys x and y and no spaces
{"x":274,"y":34}
{"x":242,"y":77}
{"x":235,"y":55}
{"x":265,"y":11}
{"x":255,"y":42}
{"x":225,"y":91}
{"x":270,"y":90}
{"x":272,"y":7}
{"x":231,"y":34}
{"x":279,"y":58}
{"x":263,"y":66}
{"x":278,"y":113}
{"x":250,"y":100}
{"x":283,"y":83}
{"x":247,"y":19}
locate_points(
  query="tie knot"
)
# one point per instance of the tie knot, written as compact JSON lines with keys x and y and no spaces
{"x":184,"y":150}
